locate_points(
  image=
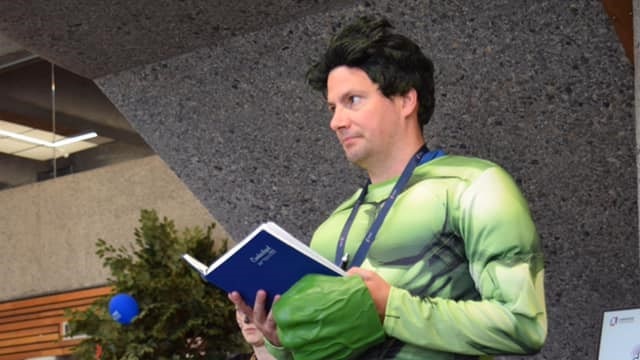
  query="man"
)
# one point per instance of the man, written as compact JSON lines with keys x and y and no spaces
{"x":444,"y":244}
{"x":253,"y":337}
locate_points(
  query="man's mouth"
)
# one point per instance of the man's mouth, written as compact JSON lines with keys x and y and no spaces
{"x":345,"y":140}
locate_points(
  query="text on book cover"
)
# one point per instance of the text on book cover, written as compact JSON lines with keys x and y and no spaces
{"x":263,"y":255}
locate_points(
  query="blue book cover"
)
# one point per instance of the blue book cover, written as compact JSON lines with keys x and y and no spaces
{"x":269,"y":259}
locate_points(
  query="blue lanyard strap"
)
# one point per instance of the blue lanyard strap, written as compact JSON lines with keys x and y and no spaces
{"x":421,"y":156}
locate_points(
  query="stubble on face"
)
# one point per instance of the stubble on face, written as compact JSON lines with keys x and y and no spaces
{"x":363,"y":118}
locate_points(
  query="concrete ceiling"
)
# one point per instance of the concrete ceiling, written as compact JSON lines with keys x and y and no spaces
{"x":7,"y":46}
{"x":12,"y":53}
{"x":90,"y":39}
{"x":96,"y":38}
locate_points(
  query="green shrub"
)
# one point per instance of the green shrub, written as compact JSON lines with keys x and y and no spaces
{"x":176,"y":305}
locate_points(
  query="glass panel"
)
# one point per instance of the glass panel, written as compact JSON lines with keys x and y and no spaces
{"x":39,"y":124}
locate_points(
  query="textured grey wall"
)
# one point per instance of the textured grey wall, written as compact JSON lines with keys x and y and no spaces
{"x":541,"y":87}
{"x":636,"y":47}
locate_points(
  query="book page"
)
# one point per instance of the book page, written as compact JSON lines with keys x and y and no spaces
{"x":234,"y":249}
{"x":202,"y":268}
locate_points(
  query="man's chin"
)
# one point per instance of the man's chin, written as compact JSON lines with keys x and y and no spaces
{"x":355,"y":160}
{"x":354,"y":153}
{"x":256,"y":341}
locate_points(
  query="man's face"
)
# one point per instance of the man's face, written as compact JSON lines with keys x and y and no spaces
{"x":365,"y":121}
{"x":251,"y":334}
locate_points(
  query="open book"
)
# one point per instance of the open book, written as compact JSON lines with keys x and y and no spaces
{"x":269,"y":258}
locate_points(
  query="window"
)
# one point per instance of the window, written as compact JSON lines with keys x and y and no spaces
{"x":54,"y":123}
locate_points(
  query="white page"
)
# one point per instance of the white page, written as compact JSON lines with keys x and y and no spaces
{"x":234,"y":249}
{"x":202,"y":268}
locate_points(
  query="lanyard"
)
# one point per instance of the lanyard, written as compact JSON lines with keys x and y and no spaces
{"x":422,"y":156}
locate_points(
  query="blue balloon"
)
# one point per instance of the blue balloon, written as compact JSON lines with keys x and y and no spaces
{"x":123,"y":308}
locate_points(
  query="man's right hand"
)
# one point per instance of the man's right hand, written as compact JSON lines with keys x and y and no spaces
{"x":258,"y":315}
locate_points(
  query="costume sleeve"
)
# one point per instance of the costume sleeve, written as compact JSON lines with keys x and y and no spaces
{"x":277,"y":352}
{"x":505,"y":262}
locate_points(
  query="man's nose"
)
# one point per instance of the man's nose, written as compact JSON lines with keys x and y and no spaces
{"x":339,"y":120}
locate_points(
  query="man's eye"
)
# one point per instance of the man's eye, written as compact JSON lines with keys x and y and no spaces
{"x":354,"y":99}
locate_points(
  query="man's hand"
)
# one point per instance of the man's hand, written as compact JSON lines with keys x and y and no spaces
{"x":378,"y":288}
{"x":258,"y":316}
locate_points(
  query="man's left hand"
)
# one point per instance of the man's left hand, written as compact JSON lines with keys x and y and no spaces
{"x":378,"y":288}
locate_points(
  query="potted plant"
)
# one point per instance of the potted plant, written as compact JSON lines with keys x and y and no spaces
{"x":180,"y":315}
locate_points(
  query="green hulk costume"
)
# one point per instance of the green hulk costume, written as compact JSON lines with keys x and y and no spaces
{"x":462,"y":255}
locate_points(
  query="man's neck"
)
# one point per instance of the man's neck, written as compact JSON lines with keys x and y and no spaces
{"x":394,"y":164}
{"x":262,"y":353}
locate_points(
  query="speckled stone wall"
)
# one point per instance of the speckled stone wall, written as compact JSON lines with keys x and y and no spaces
{"x":636,"y":46}
{"x":541,"y":87}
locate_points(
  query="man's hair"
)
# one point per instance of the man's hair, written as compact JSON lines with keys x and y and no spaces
{"x":392,"y":61}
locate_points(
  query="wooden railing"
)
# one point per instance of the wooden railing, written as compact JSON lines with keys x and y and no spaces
{"x":34,"y":327}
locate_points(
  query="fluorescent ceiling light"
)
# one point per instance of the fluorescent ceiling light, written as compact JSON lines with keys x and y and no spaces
{"x":32,"y":140}
{"x":74,"y":139}
{"x":41,"y":145}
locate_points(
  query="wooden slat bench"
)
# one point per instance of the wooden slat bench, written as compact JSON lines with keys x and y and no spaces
{"x":33,"y":327}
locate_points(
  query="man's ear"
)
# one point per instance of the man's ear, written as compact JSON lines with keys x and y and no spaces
{"x":410,"y":102}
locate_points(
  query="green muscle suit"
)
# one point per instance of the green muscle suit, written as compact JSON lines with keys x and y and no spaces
{"x":462,"y":255}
